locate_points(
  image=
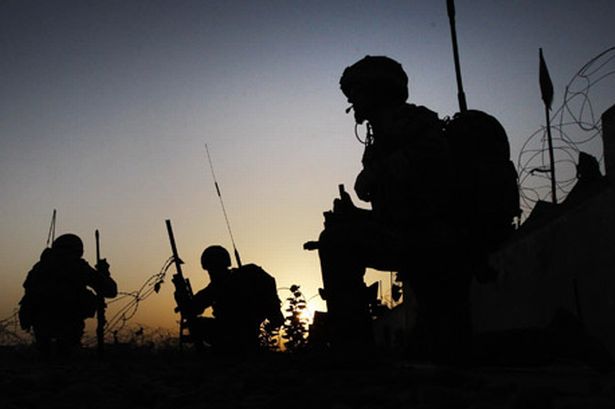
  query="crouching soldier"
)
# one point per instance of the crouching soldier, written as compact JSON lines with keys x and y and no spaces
{"x":407,"y":179}
{"x":241,"y":298}
{"x":58,"y":295}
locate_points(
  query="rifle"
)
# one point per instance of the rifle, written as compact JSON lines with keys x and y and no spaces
{"x":183,"y":297}
{"x":101,"y":321}
{"x":331,"y":217}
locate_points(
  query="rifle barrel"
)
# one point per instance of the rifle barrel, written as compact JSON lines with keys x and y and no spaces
{"x":174,"y":248}
{"x":97,"y":236}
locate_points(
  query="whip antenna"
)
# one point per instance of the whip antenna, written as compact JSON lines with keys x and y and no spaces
{"x":461,"y":96}
{"x":228,"y":224}
{"x":52,"y":229}
{"x":101,"y":320}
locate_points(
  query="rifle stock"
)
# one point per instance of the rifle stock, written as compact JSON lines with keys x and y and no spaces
{"x":183,"y":296}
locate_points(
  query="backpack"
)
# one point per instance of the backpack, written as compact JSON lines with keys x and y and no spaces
{"x":485,"y":187}
{"x":260,"y":293}
{"x":57,"y":290}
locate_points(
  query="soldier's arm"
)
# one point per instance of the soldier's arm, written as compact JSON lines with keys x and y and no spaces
{"x":202,"y":300}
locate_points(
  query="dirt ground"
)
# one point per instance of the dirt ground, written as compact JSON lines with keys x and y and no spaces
{"x":141,"y":378}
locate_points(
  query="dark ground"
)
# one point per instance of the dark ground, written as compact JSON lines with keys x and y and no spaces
{"x":140,"y":378}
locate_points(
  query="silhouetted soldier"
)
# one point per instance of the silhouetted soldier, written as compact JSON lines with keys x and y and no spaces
{"x":406,"y":177}
{"x":241,"y":298}
{"x":57,"y":299}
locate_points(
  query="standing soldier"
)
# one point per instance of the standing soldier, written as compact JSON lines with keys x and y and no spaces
{"x":406,"y":177}
{"x":57,"y":299}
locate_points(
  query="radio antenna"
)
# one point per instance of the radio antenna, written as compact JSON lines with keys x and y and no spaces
{"x":461,"y":96}
{"x":52,"y":229}
{"x":228,"y":224}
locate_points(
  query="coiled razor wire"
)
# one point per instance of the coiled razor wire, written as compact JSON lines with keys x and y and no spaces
{"x":575,"y":127}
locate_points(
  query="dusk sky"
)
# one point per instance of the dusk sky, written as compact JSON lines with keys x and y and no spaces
{"x":106,"y":106}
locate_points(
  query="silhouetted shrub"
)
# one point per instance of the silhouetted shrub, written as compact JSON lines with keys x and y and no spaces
{"x":295,"y":328}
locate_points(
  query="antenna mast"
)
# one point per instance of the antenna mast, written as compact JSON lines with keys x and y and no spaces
{"x":461,"y":96}
{"x":52,"y":229}
{"x":228,"y":224}
{"x":101,"y":320}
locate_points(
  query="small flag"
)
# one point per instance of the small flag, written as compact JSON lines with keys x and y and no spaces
{"x":546,"y":86}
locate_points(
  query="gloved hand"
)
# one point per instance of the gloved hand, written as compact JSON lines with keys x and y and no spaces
{"x":343,"y":205}
{"x":103,"y":267}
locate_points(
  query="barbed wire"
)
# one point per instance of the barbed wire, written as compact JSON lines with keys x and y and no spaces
{"x":118,"y":327}
{"x":575,"y":127}
{"x":128,"y":302}
{"x":11,"y":332}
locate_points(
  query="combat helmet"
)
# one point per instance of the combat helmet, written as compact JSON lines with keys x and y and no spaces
{"x":215,"y":258}
{"x":380,"y":78}
{"x":69,"y":245}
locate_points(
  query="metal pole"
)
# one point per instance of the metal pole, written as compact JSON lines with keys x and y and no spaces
{"x":551,"y":157}
{"x":546,"y":91}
